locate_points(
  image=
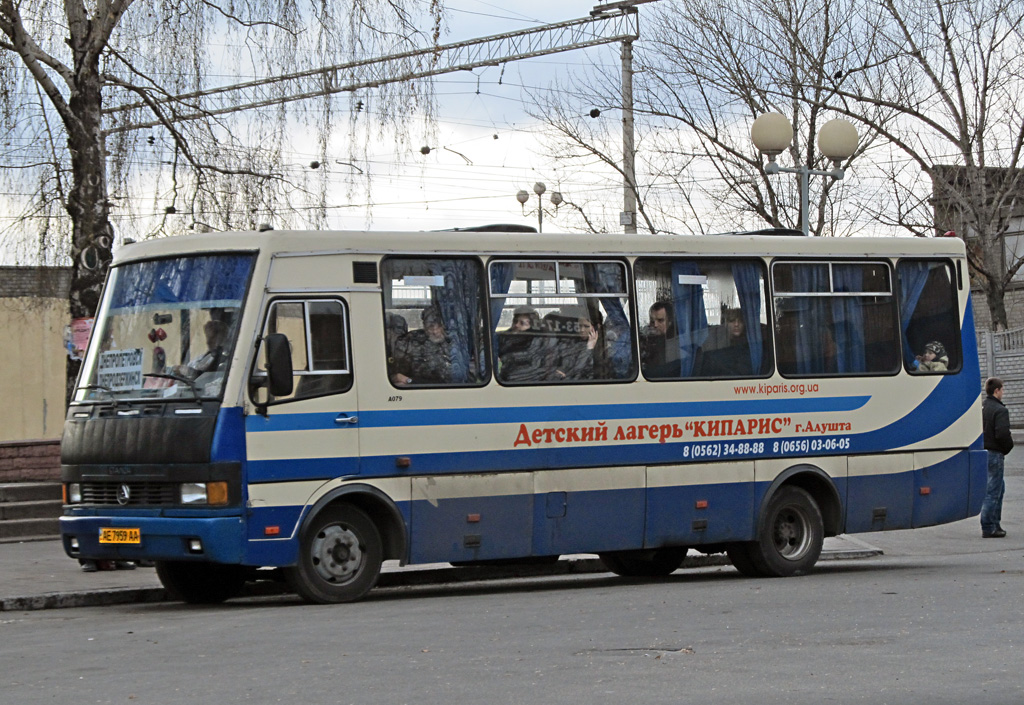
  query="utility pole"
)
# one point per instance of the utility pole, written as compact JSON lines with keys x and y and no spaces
{"x":627,"y":218}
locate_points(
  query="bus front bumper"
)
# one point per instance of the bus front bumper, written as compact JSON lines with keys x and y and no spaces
{"x":131,"y":538}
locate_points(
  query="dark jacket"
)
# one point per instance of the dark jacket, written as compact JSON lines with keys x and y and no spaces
{"x":996,"y":424}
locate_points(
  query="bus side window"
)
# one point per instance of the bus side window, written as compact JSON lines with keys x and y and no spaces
{"x":834,"y":318}
{"x":434,"y":322}
{"x":707,"y":318}
{"x":559,"y":321}
{"x":317,"y":332}
{"x":929,"y":316}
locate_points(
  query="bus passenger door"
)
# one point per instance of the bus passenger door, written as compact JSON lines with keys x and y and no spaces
{"x":296,"y":442}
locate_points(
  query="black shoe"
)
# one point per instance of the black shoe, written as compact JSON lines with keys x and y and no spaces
{"x":997,"y":534}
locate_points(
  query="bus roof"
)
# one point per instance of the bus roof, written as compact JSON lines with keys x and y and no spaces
{"x":285,"y":242}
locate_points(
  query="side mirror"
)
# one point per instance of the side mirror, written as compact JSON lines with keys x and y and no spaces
{"x":279,"y":364}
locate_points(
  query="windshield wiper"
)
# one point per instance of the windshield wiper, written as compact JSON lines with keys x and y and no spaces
{"x":108,"y":390}
{"x":180,"y":378}
{"x":104,"y":388}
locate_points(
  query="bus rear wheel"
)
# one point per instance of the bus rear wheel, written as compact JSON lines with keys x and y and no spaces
{"x":644,"y":564}
{"x":201,"y":583}
{"x":791,"y":541}
{"x":340,"y":555}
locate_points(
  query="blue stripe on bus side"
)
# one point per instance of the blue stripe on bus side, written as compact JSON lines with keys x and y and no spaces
{"x":510,"y":526}
{"x":292,"y":469}
{"x":548,"y":457}
{"x":551,"y":414}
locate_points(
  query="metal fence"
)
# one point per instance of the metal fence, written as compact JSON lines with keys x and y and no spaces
{"x":1002,"y":355}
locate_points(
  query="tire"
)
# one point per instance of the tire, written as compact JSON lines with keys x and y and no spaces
{"x":201,"y":583}
{"x":340,"y":554}
{"x":792,"y":535}
{"x":644,"y":564}
{"x":739,"y":555}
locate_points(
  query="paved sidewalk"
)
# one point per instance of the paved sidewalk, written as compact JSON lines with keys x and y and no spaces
{"x":38,"y":575}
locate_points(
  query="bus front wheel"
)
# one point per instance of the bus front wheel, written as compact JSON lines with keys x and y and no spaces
{"x":201,"y":583}
{"x":340,"y":555}
{"x":791,"y":539}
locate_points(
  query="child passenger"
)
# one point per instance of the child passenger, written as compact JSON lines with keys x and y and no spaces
{"x":934,"y":358}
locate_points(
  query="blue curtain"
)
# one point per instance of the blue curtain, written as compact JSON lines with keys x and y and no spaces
{"x":812,"y":318}
{"x":501,"y":280}
{"x":603,"y":279}
{"x":209,"y":279}
{"x":459,"y":301}
{"x":691,"y":318}
{"x":913,"y":276}
{"x":747,"y":276}
{"x":848,"y":318}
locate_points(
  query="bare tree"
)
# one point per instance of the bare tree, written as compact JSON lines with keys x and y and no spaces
{"x":704,"y":70}
{"x":952,"y":74}
{"x":63,"y":66}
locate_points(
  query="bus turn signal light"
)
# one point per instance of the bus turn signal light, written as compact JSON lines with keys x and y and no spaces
{"x":271,"y":530}
{"x":216,"y":493}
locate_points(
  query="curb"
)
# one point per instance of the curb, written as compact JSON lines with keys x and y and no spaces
{"x":388,"y":579}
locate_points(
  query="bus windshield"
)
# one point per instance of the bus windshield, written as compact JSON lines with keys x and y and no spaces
{"x":166,"y":329}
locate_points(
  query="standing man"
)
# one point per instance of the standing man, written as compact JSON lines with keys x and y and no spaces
{"x":998,"y":442}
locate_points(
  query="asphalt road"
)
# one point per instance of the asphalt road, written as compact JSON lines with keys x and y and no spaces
{"x":935,"y":620}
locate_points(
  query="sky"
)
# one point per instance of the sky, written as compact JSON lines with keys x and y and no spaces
{"x":486,"y":147}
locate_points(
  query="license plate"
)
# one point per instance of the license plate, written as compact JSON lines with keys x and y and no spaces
{"x":112,"y":535}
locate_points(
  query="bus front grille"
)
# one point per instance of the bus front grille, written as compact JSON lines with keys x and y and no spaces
{"x":130,"y":494}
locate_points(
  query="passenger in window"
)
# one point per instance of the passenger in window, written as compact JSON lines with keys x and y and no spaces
{"x":934,"y":358}
{"x":423,"y":356}
{"x":659,"y":349}
{"x":524,"y":355}
{"x":395,"y":327}
{"x":575,"y":353}
{"x":216,"y":333}
{"x":733,"y":358}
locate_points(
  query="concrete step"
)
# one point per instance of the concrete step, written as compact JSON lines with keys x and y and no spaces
{"x":42,"y":509}
{"x":29,"y":491}
{"x":20,"y":528}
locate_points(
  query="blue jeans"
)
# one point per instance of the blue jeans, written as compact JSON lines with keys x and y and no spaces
{"x":992,"y":507}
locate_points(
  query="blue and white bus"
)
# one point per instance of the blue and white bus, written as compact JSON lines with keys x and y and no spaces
{"x":322,"y":402}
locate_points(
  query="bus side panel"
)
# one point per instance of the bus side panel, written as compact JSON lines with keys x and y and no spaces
{"x":471,"y":517}
{"x":880,"y":492}
{"x":588,"y":510}
{"x":941,"y":487}
{"x":697,"y":504}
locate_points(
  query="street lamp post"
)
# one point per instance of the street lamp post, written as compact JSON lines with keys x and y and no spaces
{"x":539,"y":188}
{"x":771,"y":133}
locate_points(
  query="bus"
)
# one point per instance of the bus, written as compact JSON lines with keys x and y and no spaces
{"x":322,"y":402}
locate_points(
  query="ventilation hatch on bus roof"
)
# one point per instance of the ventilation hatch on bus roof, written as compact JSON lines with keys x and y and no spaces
{"x":364,"y":272}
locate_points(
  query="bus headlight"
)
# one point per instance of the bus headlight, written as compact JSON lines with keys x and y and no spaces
{"x":74,"y":493}
{"x":209,"y":493}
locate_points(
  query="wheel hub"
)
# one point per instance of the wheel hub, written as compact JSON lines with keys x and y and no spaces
{"x":336,"y":553}
{"x":792,"y":537}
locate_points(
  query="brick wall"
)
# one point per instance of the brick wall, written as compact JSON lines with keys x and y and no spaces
{"x":30,"y":461}
{"x":34,"y":282}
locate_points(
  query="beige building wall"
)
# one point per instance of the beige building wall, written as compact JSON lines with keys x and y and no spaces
{"x":33,"y":314}
{"x":34,"y":358}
